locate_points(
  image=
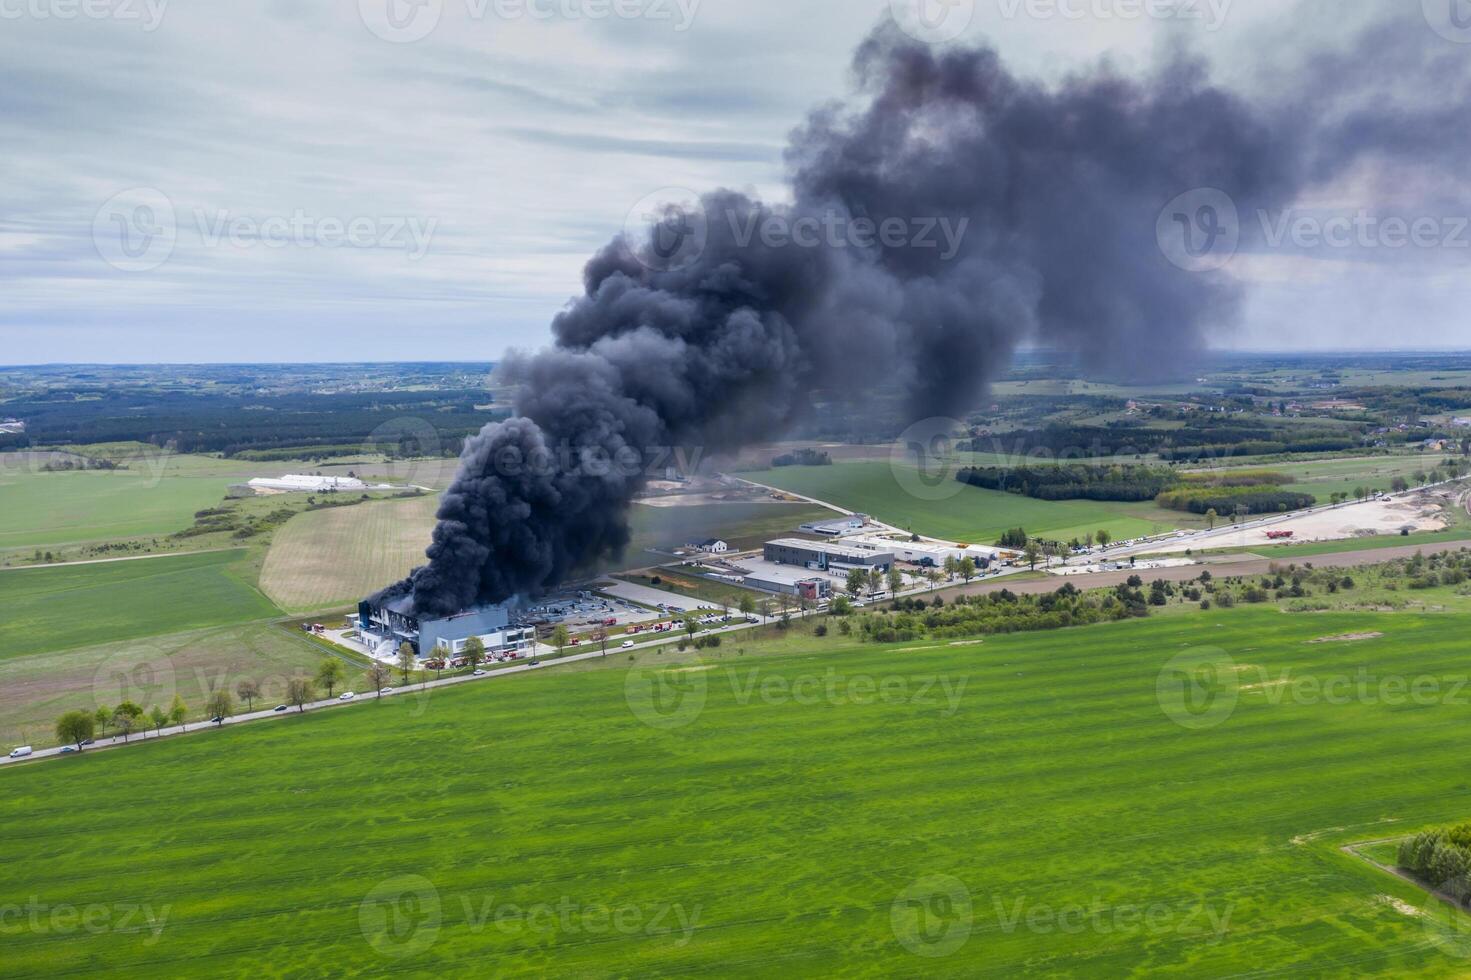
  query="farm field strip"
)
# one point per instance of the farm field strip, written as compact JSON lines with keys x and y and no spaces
{"x":578,"y":791}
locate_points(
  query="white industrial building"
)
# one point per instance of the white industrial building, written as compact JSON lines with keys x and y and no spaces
{"x":925,"y":552}
{"x":299,"y":483}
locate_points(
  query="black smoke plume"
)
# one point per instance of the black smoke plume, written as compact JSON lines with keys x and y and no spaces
{"x":708,"y":334}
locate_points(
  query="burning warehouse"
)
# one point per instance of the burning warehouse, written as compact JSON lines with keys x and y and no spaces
{"x":388,"y":621}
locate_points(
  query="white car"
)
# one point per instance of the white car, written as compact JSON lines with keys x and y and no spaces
{"x":627,"y":644}
{"x":477,"y":673}
{"x":21,"y":752}
{"x":346,"y":696}
{"x":385,"y":690}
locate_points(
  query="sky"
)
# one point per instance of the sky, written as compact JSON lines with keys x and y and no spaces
{"x":355,"y":180}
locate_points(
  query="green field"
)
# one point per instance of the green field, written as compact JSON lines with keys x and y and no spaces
{"x":35,"y":690}
{"x":1026,"y":805}
{"x":59,"y":608}
{"x":971,"y":514}
{"x":41,"y":509}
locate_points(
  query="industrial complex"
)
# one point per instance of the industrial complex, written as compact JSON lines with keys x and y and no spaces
{"x":391,"y":622}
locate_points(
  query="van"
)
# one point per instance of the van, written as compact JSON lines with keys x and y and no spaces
{"x":21,"y":752}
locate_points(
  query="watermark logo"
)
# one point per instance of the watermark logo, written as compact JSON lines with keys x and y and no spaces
{"x":933,"y":21}
{"x":836,"y":229}
{"x":667,"y":230}
{"x":407,"y":21}
{"x":128,"y":677}
{"x":302,"y":229}
{"x":401,"y":21}
{"x":933,"y":917}
{"x":1200,"y":230}
{"x":401,"y":917}
{"x":1185,"y":919}
{"x":923,"y":460}
{"x":95,"y":919}
{"x":1451,"y":19}
{"x":1210,"y":13}
{"x":666,"y":698}
{"x":412,"y":447}
{"x":147,"y":13}
{"x":136,"y":230}
{"x":1198,"y":688}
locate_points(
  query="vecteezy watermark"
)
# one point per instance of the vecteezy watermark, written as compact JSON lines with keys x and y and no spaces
{"x":835,"y":229}
{"x":666,"y":698}
{"x":1451,"y":19}
{"x":138,"y":230}
{"x":1201,"y":688}
{"x":407,"y":21}
{"x":923,"y":460}
{"x":1185,"y":918}
{"x":148,"y":14}
{"x":1211,"y":13}
{"x":667,"y":230}
{"x":1198,"y":688}
{"x":94,"y":919}
{"x":674,"y":697}
{"x":1303,"y":230}
{"x":404,"y":916}
{"x":302,"y":229}
{"x":1202,"y":230}
{"x":933,"y":917}
{"x":933,"y":21}
{"x":596,"y":461}
{"x":142,"y":677}
{"x":670,"y":229}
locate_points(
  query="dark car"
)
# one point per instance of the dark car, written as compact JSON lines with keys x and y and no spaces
{"x":279,"y":707}
{"x":218,"y":719}
{"x":86,"y":741}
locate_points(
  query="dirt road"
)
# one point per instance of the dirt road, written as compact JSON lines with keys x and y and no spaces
{"x":1220,"y":568}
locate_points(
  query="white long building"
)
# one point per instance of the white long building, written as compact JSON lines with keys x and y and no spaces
{"x":298,"y":483}
{"x":924,"y":552}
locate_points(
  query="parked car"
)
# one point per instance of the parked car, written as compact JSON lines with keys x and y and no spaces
{"x":346,"y":696}
{"x":279,"y":707}
{"x":21,"y":752}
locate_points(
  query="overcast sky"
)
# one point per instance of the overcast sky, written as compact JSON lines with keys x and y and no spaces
{"x":341,"y":180}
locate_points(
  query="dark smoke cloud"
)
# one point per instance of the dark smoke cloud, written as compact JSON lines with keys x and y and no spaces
{"x":1058,"y":190}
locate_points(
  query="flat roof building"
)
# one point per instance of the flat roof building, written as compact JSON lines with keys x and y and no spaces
{"x":822,"y":555}
{"x":836,"y":527}
{"x":794,"y":583}
{"x":300,"y":483}
{"x":925,"y":552}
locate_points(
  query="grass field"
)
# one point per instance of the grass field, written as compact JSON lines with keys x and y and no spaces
{"x":971,"y":515}
{"x":37,"y":689}
{"x":47,"y":609}
{"x":1023,"y":805}
{"x":333,"y":557}
{"x":42,"y":509}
